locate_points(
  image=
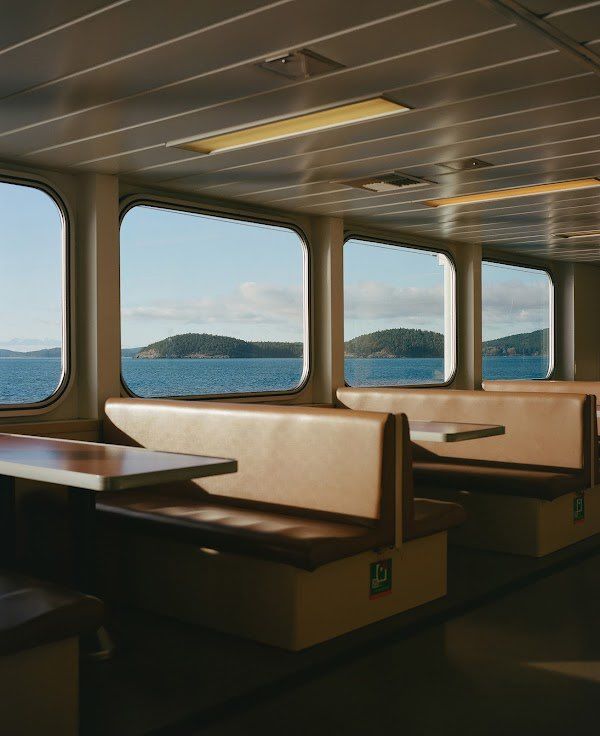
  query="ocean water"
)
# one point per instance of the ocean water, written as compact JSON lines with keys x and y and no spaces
{"x":28,"y":380}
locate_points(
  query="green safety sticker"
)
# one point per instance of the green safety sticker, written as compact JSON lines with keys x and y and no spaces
{"x":579,"y":509}
{"x":380,"y":578}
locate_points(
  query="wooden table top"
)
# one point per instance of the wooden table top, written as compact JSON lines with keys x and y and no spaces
{"x":451,"y":431}
{"x":98,"y":467}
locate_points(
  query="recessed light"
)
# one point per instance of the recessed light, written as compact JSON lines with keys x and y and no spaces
{"x":389,"y":182}
{"x":332,"y":117}
{"x":514,"y":192}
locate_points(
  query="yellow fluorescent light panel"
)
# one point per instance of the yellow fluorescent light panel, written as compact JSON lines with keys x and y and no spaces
{"x":498,"y":194}
{"x":354,"y":112}
{"x":579,"y":234}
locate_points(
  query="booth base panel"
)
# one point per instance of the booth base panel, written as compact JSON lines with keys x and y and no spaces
{"x":271,"y":602}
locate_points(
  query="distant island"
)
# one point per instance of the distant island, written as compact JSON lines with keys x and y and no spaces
{"x":524,"y":343}
{"x":194,"y":345}
{"x":400,"y":342}
{"x":45,"y":353}
{"x":393,"y":343}
{"x":397,"y":343}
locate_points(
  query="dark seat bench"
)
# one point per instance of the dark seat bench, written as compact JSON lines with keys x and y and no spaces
{"x":39,"y":628}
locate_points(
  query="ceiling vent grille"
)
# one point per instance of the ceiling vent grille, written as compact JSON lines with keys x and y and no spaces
{"x":389,"y":182}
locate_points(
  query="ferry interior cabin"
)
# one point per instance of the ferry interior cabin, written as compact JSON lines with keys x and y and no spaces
{"x":299,"y":367}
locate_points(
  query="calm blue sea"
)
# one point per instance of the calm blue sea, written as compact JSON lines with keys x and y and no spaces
{"x":24,"y":380}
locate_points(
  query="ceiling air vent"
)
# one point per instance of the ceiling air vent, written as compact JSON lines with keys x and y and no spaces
{"x":390,"y":182}
{"x":303,"y":64}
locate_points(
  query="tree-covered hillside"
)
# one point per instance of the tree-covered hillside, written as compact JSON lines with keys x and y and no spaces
{"x":524,"y":343}
{"x":44,"y":353}
{"x":194,"y":345}
{"x":396,"y":343}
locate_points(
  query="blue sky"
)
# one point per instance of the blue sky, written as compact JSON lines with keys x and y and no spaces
{"x":188,"y":273}
{"x":31,"y":269}
{"x":386,"y":286}
{"x":514,"y":300}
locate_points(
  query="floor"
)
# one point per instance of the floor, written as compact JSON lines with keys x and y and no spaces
{"x":526,"y":664}
{"x":514,"y":646}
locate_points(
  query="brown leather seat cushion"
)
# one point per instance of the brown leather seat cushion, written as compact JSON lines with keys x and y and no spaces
{"x":34,"y":613}
{"x":303,"y":542}
{"x":498,"y":478}
{"x":432,"y":517}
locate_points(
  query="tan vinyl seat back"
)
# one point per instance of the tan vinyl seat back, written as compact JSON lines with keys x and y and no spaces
{"x":317,"y":460}
{"x":544,"y":430}
{"x":563,"y":387}
{"x":592,"y":388}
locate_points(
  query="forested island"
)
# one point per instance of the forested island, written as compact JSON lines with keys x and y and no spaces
{"x":524,"y":343}
{"x":45,"y":353}
{"x":394,"y":343}
{"x":194,"y":345}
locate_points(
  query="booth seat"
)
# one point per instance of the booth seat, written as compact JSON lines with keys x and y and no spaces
{"x":592,"y":388}
{"x":538,"y":470}
{"x":278,"y":550}
{"x":39,"y":628}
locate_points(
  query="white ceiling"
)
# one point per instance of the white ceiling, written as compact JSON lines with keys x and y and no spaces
{"x":87,"y":85}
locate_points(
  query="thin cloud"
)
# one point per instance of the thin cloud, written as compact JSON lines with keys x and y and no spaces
{"x":374,"y":300}
{"x":249,"y":303}
{"x":514,"y":303}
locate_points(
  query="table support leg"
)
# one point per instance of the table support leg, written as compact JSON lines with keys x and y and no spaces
{"x":82,"y":512}
{"x":8,"y":522}
{"x":82,"y":509}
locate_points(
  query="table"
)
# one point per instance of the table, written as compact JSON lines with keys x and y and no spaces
{"x":86,"y":469}
{"x":451,"y":431}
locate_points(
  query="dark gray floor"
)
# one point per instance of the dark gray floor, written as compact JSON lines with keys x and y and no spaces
{"x":526,"y":664}
{"x":475,"y":662}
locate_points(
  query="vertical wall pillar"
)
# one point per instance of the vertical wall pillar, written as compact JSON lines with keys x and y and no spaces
{"x":327,"y":307}
{"x":97,"y":297}
{"x":564,"y":327}
{"x":586,"y":307}
{"x":468,"y":309}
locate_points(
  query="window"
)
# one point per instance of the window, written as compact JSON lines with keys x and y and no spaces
{"x":210,"y":305}
{"x":517,"y":321}
{"x":399,"y":315}
{"x":33,"y":353}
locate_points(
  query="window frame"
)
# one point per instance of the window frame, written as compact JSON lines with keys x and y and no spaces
{"x":66,"y":288}
{"x":551,"y":313}
{"x":354,"y":235}
{"x":129,"y":202}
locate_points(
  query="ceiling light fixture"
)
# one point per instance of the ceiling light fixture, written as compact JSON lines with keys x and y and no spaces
{"x":514,"y":192}
{"x":333,"y":117}
{"x":579,"y":234}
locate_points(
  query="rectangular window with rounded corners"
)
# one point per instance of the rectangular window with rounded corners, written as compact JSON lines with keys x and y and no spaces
{"x":517,"y":321}
{"x":33,"y":349}
{"x":211,"y":305}
{"x":399,"y":315}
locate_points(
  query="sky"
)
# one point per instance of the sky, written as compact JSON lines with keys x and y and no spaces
{"x":514,"y":300}
{"x":31,"y":248}
{"x":183,"y":272}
